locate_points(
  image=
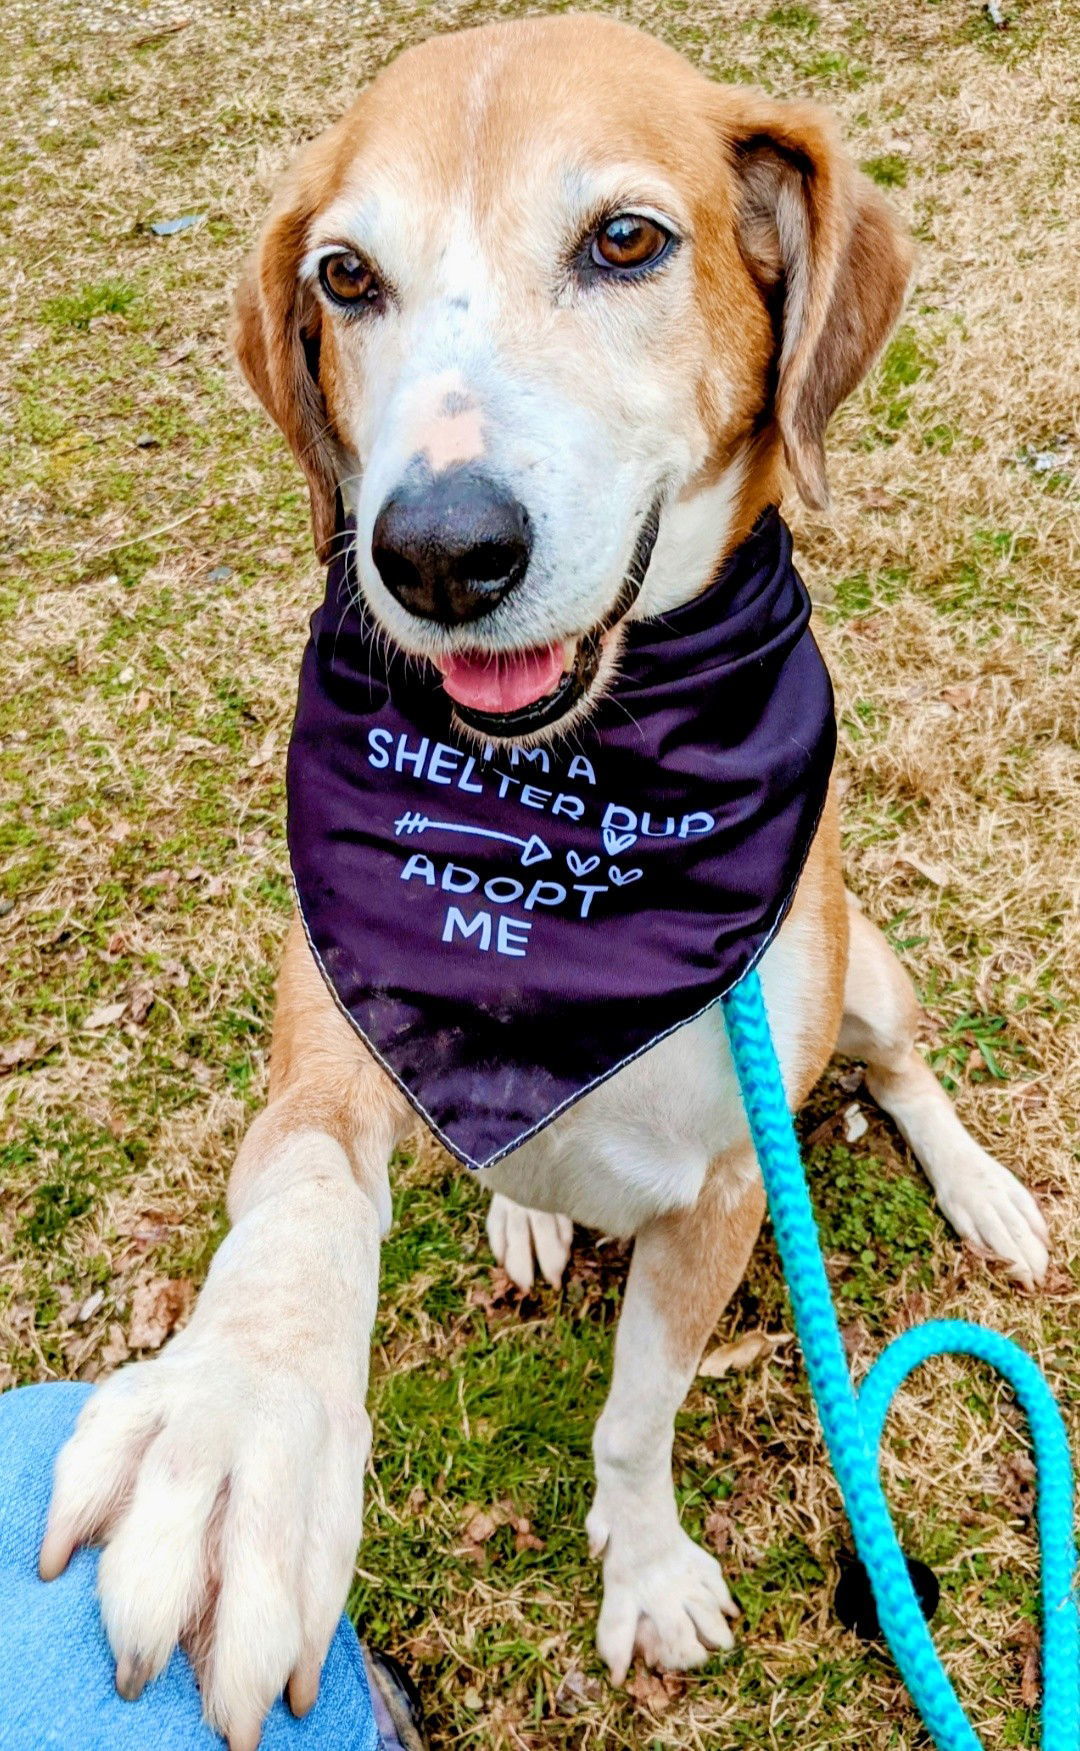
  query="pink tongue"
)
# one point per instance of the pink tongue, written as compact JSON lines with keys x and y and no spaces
{"x":503,"y":681}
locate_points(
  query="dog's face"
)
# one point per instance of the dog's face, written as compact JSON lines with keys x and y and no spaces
{"x":544,"y":307}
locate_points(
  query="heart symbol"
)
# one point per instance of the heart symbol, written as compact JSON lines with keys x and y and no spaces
{"x":616,"y":842}
{"x":623,"y":877}
{"x":581,"y":866}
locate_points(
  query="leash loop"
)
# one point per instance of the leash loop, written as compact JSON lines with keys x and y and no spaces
{"x":853,"y":1423}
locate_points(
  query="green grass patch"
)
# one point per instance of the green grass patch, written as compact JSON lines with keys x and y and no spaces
{"x":905,"y":362}
{"x":881,"y":1217}
{"x":78,"y":309}
{"x":794,"y":17}
{"x":889,"y":170}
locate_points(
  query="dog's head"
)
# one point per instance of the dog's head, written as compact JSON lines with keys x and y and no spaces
{"x":546,"y":308}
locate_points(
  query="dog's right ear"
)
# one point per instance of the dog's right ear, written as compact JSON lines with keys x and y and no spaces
{"x":277,"y":327}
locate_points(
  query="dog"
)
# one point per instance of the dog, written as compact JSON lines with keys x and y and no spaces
{"x":552,"y":255}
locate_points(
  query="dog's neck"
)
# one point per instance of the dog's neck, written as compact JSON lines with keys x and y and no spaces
{"x":705,"y":524}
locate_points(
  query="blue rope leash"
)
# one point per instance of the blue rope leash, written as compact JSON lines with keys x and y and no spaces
{"x":853,"y":1423}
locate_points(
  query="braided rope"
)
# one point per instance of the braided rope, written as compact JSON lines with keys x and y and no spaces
{"x":853,"y":1424}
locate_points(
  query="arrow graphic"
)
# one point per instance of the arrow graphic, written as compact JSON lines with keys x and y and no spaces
{"x":533,"y":849}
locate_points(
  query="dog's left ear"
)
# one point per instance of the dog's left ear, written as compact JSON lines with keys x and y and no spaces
{"x":277,"y":337}
{"x":830,"y":257}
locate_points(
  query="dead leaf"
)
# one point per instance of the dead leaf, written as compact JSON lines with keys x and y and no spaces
{"x":961,"y":696}
{"x":655,"y":1691}
{"x":140,"y":1002}
{"x":158,"y":1306}
{"x":877,"y":499}
{"x":104,"y":1016}
{"x":914,"y":1309}
{"x":727,"y":1358}
{"x":264,"y":753}
{"x":718,"y":1530}
{"x":421,"y":1648}
{"x":20,"y":1053}
{"x":178,"y":354}
{"x":851,"y":1079}
{"x":525,"y":1538}
{"x":856,"y":1339}
{"x":1029,"y":1679}
{"x":484,"y":1524}
{"x":576,"y":1691}
{"x":499,"y":1291}
{"x":116,"y":1349}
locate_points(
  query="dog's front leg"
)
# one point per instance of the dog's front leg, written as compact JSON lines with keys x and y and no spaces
{"x":225,"y":1478}
{"x":665,"y":1597}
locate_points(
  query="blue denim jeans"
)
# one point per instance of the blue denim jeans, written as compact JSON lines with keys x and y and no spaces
{"x":56,"y":1671}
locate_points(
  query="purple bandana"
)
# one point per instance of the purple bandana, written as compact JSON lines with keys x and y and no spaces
{"x":507,"y":927}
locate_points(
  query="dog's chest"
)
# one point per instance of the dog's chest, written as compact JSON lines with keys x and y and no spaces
{"x":639,"y":1144}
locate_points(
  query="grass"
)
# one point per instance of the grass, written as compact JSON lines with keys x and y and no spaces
{"x":155,"y":580}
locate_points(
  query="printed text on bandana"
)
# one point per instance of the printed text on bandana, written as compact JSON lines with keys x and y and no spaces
{"x":495,"y":913}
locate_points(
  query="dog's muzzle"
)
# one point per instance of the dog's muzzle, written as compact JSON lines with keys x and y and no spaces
{"x":579,"y":679}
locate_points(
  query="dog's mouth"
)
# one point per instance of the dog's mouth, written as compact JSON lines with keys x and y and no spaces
{"x":516,"y":693}
{"x":508,"y":694}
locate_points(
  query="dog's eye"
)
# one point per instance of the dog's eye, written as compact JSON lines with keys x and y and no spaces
{"x":349,"y":280}
{"x":629,"y":241}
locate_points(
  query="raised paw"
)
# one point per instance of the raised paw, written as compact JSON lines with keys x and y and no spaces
{"x":996,"y":1215}
{"x":665,"y":1599}
{"x":227,"y":1494}
{"x":522,"y":1239}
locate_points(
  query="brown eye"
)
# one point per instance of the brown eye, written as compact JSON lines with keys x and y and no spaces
{"x":629,"y":241}
{"x":347,"y":279}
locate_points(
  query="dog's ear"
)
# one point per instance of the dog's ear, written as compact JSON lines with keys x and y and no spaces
{"x":830,"y":257}
{"x":277,"y":337}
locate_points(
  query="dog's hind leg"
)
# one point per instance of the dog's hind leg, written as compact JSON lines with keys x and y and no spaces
{"x":985,"y":1203}
{"x":523,"y":1240}
{"x":664,"y":1596}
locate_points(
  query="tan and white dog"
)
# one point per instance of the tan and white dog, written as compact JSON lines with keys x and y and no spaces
{"x":553,"y":255}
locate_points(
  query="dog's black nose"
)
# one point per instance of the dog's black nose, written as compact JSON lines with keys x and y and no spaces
{"x":450,"y":546}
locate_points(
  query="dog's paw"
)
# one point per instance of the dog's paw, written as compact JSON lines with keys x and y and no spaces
{"x":524,"y":1239}
{"x":665,"y":1599}
{"x":996,"y":1215}
{"x":228,"y":1496}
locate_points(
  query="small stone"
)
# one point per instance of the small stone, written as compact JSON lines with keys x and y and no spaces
{"x":855,"y":1125}
{"x":147,"y":441}
{"x":90,"y":1307}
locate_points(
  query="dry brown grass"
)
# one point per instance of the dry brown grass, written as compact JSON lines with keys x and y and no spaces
{"x":144,"y":715}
